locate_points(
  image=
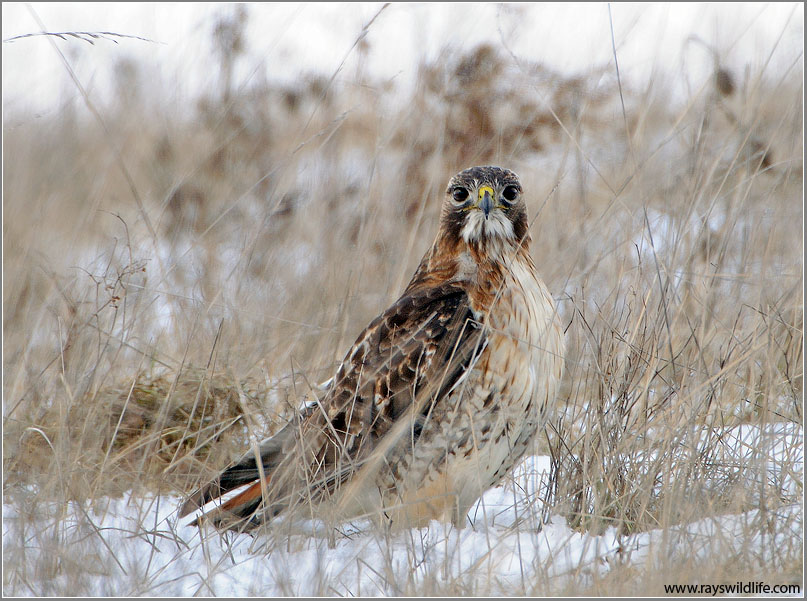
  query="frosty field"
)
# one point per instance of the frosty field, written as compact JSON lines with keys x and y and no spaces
{"x":512,"y":545}
{"x":188,"y":253}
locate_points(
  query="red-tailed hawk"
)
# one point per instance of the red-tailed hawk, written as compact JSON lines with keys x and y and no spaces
{"x":439,"y":396}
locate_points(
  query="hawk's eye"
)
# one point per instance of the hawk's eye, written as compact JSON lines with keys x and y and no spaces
{"x":460,"y":194}
{"x":510,"y":193}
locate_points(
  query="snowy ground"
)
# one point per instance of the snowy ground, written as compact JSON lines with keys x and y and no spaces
{"x":136,"y":546}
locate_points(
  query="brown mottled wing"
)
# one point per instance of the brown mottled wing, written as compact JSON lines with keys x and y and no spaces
{"x":402,"y":364}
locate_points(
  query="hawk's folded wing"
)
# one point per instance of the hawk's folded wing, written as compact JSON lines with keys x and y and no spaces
{"x":403,"y":363}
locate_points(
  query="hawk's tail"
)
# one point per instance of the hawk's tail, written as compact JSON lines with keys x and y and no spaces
{"x":238,"y":512}
{"x":244,"y":505}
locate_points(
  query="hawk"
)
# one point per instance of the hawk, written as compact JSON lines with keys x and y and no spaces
{"x":439,"y":396}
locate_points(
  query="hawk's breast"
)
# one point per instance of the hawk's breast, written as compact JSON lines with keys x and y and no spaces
{"x":525,"y":343}
{"x":481,"y":431}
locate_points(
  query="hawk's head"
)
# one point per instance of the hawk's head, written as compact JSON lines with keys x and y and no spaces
{"x":483,"y":205}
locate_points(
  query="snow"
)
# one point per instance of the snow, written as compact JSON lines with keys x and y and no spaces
{"x":138,"y":547}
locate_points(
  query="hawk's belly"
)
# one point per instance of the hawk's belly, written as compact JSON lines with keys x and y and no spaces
{"x":477,"y":434}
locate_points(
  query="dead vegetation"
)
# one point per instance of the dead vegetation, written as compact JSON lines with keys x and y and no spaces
{"x":276,"y":221}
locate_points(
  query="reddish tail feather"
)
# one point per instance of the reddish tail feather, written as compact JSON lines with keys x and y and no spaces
{"x":237,"y":504}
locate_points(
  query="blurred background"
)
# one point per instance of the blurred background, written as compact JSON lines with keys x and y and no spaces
{"x":284,"y":41}
{"x":204,"y":204}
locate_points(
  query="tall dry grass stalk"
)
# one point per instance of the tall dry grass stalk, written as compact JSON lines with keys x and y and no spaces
{"x":285,"y":218}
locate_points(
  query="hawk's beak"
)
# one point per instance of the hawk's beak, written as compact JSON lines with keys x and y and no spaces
{"x":485,"y":200}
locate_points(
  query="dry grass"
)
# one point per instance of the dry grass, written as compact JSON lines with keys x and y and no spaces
{"x":156,"y":266}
